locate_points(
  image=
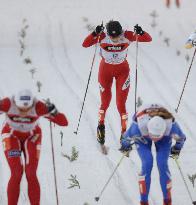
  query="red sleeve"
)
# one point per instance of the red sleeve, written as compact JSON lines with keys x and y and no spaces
{"x":91,"y":40}
{"x":41,"y":108}
{"x":141,"y":38}
{"x":59,"y":119}
{"x":5,"y":104}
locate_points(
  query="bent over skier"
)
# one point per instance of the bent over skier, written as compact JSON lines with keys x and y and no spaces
{"x":21,"y":133}
{"x":154,"y":123}
{"x":113,"y":50}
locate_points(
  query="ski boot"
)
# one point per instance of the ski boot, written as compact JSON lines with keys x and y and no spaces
{"x":144,"y":203}
{"x":101,"y":134}
{"x":101,"y":138}
{"x":167,"y":202}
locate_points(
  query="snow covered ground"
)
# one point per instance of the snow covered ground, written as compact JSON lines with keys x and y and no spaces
{"x":53,"y":43}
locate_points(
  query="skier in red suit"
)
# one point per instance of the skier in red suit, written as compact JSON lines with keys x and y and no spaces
{"x":113,"y":50}
{"x":21,"y":133}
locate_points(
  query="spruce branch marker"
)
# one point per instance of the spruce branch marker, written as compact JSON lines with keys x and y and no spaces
{"x":74,"y":182}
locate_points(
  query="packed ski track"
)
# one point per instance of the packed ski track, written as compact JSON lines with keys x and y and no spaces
{"x":54,"y":43}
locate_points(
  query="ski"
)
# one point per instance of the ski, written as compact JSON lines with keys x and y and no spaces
{"x":104,"y":149}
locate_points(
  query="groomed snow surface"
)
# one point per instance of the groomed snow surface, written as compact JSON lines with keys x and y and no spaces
{"x":53,"y":43}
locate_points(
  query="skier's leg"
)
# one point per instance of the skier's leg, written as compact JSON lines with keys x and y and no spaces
{"x":105,"y":78}
{"x":178,"y":3}
{"x":144,"y":151}
{"x":163,"y":150}
{"x":12,"y":152}
{"x":122,"y":90}
{"x":32,"y":151}
{"x":168,"y":3}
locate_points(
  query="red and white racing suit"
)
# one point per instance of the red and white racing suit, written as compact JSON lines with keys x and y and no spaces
{"x":114,"y":65}
{"x":22,"y":134}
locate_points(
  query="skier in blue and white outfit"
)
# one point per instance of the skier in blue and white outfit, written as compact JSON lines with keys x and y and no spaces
{"x":154,"y":123}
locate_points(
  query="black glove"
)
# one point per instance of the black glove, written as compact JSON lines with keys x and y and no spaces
{"x":98,"y":30}
{"x":174,"y":151}
{"x":51,"y":108}
{"x":138,"y":30}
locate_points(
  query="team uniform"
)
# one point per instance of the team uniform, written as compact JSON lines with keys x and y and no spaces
{"x":139,"y":133}
{"x":22,"y":134}
{"x":114,"y":66}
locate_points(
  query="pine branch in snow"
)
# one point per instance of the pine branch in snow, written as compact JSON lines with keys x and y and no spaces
{"x":27,"y":60}
{"x":187,"y":58}
{"x":153,"y":24}
{"x":85,"y":19}
{"x":154,"y":14}
{"x":73,"y":182}
{"x":167,"y":41}
{"x":160,"y":33}
{"x":192,"y":179}
{"x":32,"y":71}
{"x":139,"y":102}
{"x":39,"y":85}
{"x":74,"y":155}
{"x":61,"y":134}
{"x":178,"y":52}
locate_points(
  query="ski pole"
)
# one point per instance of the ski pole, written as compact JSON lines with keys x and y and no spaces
{"x":185,"y":81}
{"x":106,"y":184}
{"x":183,"y":178}
{"x":136,"y":66}
{"x":53,"y":161}
{"x":92,"y":64}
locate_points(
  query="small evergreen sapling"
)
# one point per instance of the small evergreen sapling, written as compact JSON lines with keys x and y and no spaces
{"x":74,"y":155}
{"x":73,"y":182}
{"x":192,"y":179}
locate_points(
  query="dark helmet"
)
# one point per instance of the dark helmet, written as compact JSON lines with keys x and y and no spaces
{"x":113,"y":28}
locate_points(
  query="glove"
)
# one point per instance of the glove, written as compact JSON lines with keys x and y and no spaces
{"x":138,"y":30}
{"x":125,"y":145}
{"x":51,"y":108}
{"x":98,"y":30}
{"x":174,"y":151}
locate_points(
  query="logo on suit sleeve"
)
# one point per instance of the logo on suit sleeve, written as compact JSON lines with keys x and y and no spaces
{"x":126,"y":84}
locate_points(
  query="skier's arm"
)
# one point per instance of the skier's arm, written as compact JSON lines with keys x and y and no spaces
{"x":59,"y":119}
{"x":92,"y":39}
{"x":5,"y":105}
{"x":53,"y":115}
{"x":178,"y":135}
{"x":128,"y":136}
{"x":131,"y":36}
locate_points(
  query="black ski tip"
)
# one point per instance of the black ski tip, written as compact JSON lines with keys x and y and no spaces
{"x":194,"y":202}
{"x":96,"y":198}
